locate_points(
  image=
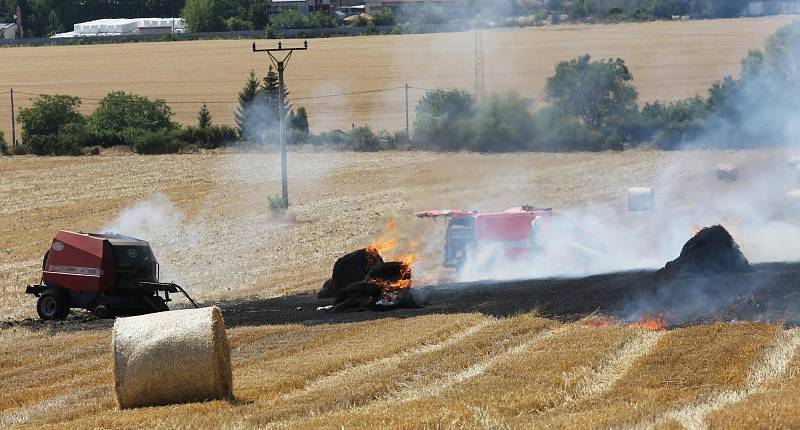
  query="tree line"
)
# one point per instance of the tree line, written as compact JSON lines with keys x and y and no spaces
{"x":592,"y":106}
{"x":42,"y":18}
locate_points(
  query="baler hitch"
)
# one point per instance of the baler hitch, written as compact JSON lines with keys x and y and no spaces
{"x":169,"y":288}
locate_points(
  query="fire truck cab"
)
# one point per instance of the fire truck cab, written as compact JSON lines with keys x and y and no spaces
{"x":511,"y":233}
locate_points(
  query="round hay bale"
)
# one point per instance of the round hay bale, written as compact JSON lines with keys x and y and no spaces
{"x":641,"y":199}
{"x":171,"y":357}
{"x":727,"y":172}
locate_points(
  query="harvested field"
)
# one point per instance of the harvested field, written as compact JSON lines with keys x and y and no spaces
{"x":669,"y":60}
{"x":455,"y":371}
{"x":510,"y":354}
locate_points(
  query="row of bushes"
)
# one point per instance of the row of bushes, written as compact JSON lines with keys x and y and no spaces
{"x":54,"y":125}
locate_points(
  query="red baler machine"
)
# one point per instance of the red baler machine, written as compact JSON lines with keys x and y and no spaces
{"x":108,"y":274}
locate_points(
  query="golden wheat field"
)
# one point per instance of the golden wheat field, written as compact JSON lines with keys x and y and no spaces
{"x":463,"y":370}
{"x":669,"y":60}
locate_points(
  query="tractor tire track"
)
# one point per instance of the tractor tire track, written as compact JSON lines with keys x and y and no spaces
{"x":410,"y":393}
{"x":393,"y":360}
{"x":437,"y":387}
{"x":769,"y":367}
{"x":595,"y":381}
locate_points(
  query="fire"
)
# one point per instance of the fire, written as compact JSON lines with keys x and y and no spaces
{"x":386,"y":243}
{"x":602,"y":322}
{"x":388,"y":239}
{"x":647,"y":322}
{"x":652,"y":322}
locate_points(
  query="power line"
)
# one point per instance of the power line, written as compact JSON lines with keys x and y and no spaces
{"x":88,"y":99}
{"x":348,"y":94}
{"x":215,"y":102}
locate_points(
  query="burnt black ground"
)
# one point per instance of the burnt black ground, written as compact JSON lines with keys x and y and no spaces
{"x":770,"y":293}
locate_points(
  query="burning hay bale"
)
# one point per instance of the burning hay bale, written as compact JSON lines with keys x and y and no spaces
{"x":641,"y":199}
{"x":711,"y":251}
{"x":171,"y":357}
{"x":363,"y":281}
{"x":387,"y":286}
{"x":359,"y":296}
{"x":348,"y":270}
{"x":727,"y":172}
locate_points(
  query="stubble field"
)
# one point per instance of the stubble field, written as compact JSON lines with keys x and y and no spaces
{"x":459,"y":370}
{"x":669,"y":60}
{"x":207,"y":218}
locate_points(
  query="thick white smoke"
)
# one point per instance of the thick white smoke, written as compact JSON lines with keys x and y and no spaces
{"x":600,"y":238}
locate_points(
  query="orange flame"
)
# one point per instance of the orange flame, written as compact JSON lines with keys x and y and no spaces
{"x":652,"y":322}
{"x":387,"y":241}
{"x":647,"y":322}
{"x":602,"y":322}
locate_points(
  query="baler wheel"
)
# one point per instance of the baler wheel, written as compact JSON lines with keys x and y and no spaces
{"x":102,"y":312}
{"x":52,"y":306}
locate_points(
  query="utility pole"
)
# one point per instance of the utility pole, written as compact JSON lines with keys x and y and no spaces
{"x":13,"y":122}
{"x":280,"y":64}
{"x":480,"y":86}
{"x":408,"y":135}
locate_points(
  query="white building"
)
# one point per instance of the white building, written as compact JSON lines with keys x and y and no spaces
{"x":125,"y":27}
{"x":8,"y":31}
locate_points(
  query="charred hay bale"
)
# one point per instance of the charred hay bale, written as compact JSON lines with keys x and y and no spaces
{"x":727,"y":172}
{"x":171,"y":357}
{"x":350,"y":269}
{"x":359,"y":296}
{"x":391,"y":271}
{"x":641,"y":199}
{"x":711,"y":251}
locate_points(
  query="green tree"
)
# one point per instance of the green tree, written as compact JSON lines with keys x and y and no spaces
{"x":119,"y":116}
{"x":299,"y":120}
{"x":246,"y":96}
{"x":582,"y":9}
{"x":202,"y":15}
{"x":675,"y":123}
{"x":298,"y":125}
{"x":204,"y":117}
{"x":270,"y":88}
{"x":363,"y":139}
{"x":503,"y":124}
{"x":3,"y":145}
{"x":48,"y":114}
{"x":384,"y":17}
{"x":46,"y":124}
{"x":53,"y":23}
{"x":442,"y":119}
{"x":597,"y":92}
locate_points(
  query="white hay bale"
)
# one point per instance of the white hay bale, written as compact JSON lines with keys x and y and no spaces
{"x":171,"y":357}
{"x":727,"y":172}
{"x":641,"y":199}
